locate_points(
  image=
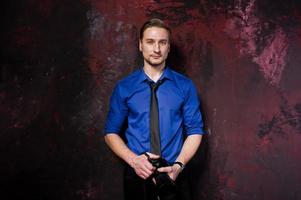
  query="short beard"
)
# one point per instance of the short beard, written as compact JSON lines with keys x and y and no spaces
{"x":154,"y":64}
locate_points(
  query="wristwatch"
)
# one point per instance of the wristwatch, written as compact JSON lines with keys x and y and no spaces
{"x":180,"y":164}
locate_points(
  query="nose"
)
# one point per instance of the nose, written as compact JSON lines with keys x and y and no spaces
{"x":156,"y":47}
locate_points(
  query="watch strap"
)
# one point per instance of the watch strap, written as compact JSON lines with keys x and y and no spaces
{"x":180,"y":164}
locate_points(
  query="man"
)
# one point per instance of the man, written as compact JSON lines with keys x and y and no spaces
{"x":164,"y":125}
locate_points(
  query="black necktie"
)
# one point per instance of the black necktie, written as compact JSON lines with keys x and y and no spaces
{"x":154,"y":119}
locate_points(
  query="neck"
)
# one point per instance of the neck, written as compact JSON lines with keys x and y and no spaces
{"x":153,"y":72}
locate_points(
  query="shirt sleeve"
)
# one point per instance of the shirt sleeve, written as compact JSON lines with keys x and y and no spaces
{"x":118,"y":112}
{"x":193,"y":122}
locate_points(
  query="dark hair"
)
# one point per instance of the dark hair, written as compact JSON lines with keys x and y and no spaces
{"x":154,"y":23}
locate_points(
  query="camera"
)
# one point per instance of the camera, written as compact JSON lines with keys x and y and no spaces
{"x":163,"y":181}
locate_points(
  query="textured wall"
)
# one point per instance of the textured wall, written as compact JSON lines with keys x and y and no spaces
{"x":61,"y":59}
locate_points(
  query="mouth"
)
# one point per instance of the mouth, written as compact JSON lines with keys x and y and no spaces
{"x":156,"y":57}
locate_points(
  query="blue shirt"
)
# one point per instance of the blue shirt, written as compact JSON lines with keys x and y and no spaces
{"x":179,"y":112}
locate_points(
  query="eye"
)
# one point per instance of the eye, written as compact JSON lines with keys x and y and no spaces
{"x":149,"y":41}
{"x":163,"y":42}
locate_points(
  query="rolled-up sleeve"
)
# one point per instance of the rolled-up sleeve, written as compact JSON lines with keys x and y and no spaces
{"x":193,"y":122}
{"x":117,"y":112}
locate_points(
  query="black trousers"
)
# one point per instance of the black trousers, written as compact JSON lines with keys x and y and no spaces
{"x":136,"y":188}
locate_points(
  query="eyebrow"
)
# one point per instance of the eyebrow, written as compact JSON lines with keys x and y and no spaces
{"x":149,"y":39}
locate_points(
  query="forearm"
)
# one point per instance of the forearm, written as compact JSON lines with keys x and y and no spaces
{"x":189,"y":148}
{"x":117,"y":145}
{"x":139,"y":163}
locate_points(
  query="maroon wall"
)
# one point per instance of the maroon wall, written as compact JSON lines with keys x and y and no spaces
{"x":61,"y":59}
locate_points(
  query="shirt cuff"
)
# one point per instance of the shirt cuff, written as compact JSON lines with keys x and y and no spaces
{"x":196,"y":131}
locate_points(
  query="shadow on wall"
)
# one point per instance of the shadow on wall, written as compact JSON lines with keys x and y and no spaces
{"x":176,"y":60}
{"x":197,"y":168}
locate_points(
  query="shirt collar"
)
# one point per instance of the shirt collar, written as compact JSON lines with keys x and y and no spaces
{"x":166,"y":75}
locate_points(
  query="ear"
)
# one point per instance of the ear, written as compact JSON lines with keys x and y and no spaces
{"x":168,"y":48}
{"x":140,"y":45}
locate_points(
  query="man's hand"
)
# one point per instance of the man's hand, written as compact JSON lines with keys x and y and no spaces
{"x":142,"y":166}
{"x":172,"y":171}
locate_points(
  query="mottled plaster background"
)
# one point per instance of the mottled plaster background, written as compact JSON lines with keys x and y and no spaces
{"x":61,"y":59}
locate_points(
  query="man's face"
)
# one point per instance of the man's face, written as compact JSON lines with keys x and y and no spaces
{"x":155,"y":46}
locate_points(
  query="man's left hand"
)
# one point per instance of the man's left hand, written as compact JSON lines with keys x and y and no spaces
{"x":172,"y":171}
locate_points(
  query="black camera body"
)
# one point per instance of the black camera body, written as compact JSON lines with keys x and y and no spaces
{"x":159,"y":162}
{"x":163,"y":181}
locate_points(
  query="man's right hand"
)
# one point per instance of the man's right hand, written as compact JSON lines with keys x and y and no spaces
{"x":142,"y":166}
